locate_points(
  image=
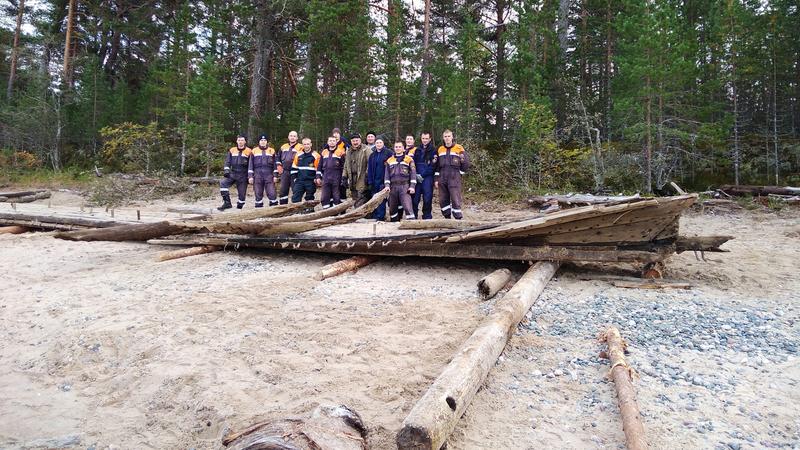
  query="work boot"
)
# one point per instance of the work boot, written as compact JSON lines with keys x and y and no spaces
{"x":239,"y":205}
{"x":226,"y":201}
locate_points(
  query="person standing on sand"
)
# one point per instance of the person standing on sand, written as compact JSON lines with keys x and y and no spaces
{"x":355,"y":170}
{"x":262,"y":172}
{"x":330,"y":173}
{"x":284,"y":165}
{"x":235,"y":169}
{"x":449,"y":163}
{"x":304,"y":173}
{"x":375,"y":175}
{"x":400,"y":177}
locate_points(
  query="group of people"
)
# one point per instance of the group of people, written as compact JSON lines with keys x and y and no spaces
{"x":410,"y":171}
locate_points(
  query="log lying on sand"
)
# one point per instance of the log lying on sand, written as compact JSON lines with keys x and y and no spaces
{"x":255,"y":227}
{"x":443,"y":224}
{"x":701,"y":243}
{"x":14,"y":229}
{"x":740,"y":190}
{"x":581,"y":199}
{"x":26,"y":198}
{"x":185,"y":252}
{"x":435,"y":415}
{"x":133,"y":232}
{"x":622,"y":375}
{"x":13,"y":194}
{"x":343,"y":266}
{"x":491,"y":284}
{"x":329,"y":427}
{"x":56,"y":221}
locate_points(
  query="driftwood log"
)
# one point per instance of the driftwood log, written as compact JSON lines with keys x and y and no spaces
{"x":258,"y":226}
{"x":14,"y":229}
{"x":435,"y":415}
{"x":133,"y":232}
{"x":186,"y":252}
{"x":26,"y":198}
{"x":54,"y":222}
{"x":328,"y":427}
{"x":740,"y":190}
{"x":622,"y":374}
{"x":344,"y":266}
{"x":491,"y":284}
{"x":13,"y":194}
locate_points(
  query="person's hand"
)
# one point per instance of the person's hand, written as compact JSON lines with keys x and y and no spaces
{"x":318,"y":182}
{"x":280,"y":170}
{"x":275,"y":180}
{"x":419,"y":178}
{"x":227,"y":174}
{"x":250,"y":180}
{"x":411,"y":190}
{"x":436,"y":184}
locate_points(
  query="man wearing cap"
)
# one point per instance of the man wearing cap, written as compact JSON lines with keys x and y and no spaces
{"x":371,"y":136}
{"x":284,"y":165}
{"x":449,"y":164}
{"x":355,"y":170}
{"x":330,"y":170}
{"x":304,"y":173}
{"x":376,"y":164}
{"x":400,"y":177}
{"x":235,"y":169}
{"x":263,"y":173}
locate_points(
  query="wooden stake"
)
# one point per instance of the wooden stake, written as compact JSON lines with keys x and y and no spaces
{"x":435,"y":415}
{"x":14,"y":229}
{"x":138,"y":215}
{"x":622,"y":375}
{"x":184,"y":252}
{"x":491,"y":284}
{"x":344,"y":266}
{"x":677,"y":188}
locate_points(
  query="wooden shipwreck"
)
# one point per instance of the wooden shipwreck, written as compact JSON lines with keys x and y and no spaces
{"x":638,"y":231}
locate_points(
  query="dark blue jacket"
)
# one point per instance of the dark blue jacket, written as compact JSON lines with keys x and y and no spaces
{"x":423,"y":159}
{"x":376,"y":166}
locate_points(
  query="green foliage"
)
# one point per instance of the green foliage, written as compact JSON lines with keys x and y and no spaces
{"x":130,"y":147}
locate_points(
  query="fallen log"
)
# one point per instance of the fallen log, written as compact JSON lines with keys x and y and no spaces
{"x":26,"y":198}
{"x":740,"y":190}
{"x":14,"y":229}
{"x":435,"y":415}
{"x":701,"y":243}
{"x":205,"y":212}
{"x":622,"y":374}
{"x":132,"y":232}
{"x":255,"y":227}
{"x":40,"y":220}
{"x":343,"y":266}
{"x":185,"y":252}
{"x":328,"y":427}
{"x":581,"y":199}
{"x":12,"y":194}
{"x":651,"y":284}
{"x":491,"y":284}
{"x":677,"y":188}
{"x":443,"y":224}
{"x":260,"y":213}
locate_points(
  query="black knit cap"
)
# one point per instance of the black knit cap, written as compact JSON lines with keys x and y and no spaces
{"x":355,"y":135}
{"x":372,"y":133}
{"x":263,"y":136}
{"x":241,"y":135}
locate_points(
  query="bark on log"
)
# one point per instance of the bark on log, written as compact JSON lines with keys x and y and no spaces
{"x":491,"y":284}
{"x":740,"y":190}
{"x":329,"y":427}
{"x":343,"y":266}
{"x":39,"y":220}
{"x":444,"y":224}
{"x":14,"y":229}
{"x":435,"y":415}
{"x":255,"y":227}
{"x":12,"y":194}
{"x":272,"y":211}
{"x":650,"y":284}
{"x":185,"y":252}
{"x":26,"y":198}
{"x":622,"y":375}
{"x":701,"y":243}
{"x":133,"y":232}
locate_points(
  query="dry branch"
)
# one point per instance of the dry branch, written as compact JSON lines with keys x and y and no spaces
{"x":741,"y":190}
{"x":185,"y":252}
{"x":435,"y":415}
{"x":622,"y":375}
{"x":491,"y":284}
{"x":14,"y":229}
{"x":344,"y":266}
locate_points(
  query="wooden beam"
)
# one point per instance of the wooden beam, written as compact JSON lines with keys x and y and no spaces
{"x":132,"y":232}
{"x":741,"y":190}
{"x":491,"y":284}
{"x":434,"y":416}
{"x":185,"y":252}
{"x":38,"y":220}
{"x":444,"y":224}
{"x":344,"y":266}
{"x":622,"y":374}
{"x":701,"y":243}
{"x":582,"y":199}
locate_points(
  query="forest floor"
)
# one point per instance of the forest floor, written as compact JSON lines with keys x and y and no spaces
{"x":103,"y":347}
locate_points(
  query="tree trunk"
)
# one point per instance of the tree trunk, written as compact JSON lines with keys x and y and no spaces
{"x":261,"y":61}
{"x":186,"y":252}
{"x":15,"y":50}
{"x":424,"y":79}
{"x":68,"y":44}
{"x":648,"y":146}
{"x":500,"y":82}
{"x":622,"y":374}
{"x":435,"y":415}
{"x":134,"y":232}
{"x":14,"y":229}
